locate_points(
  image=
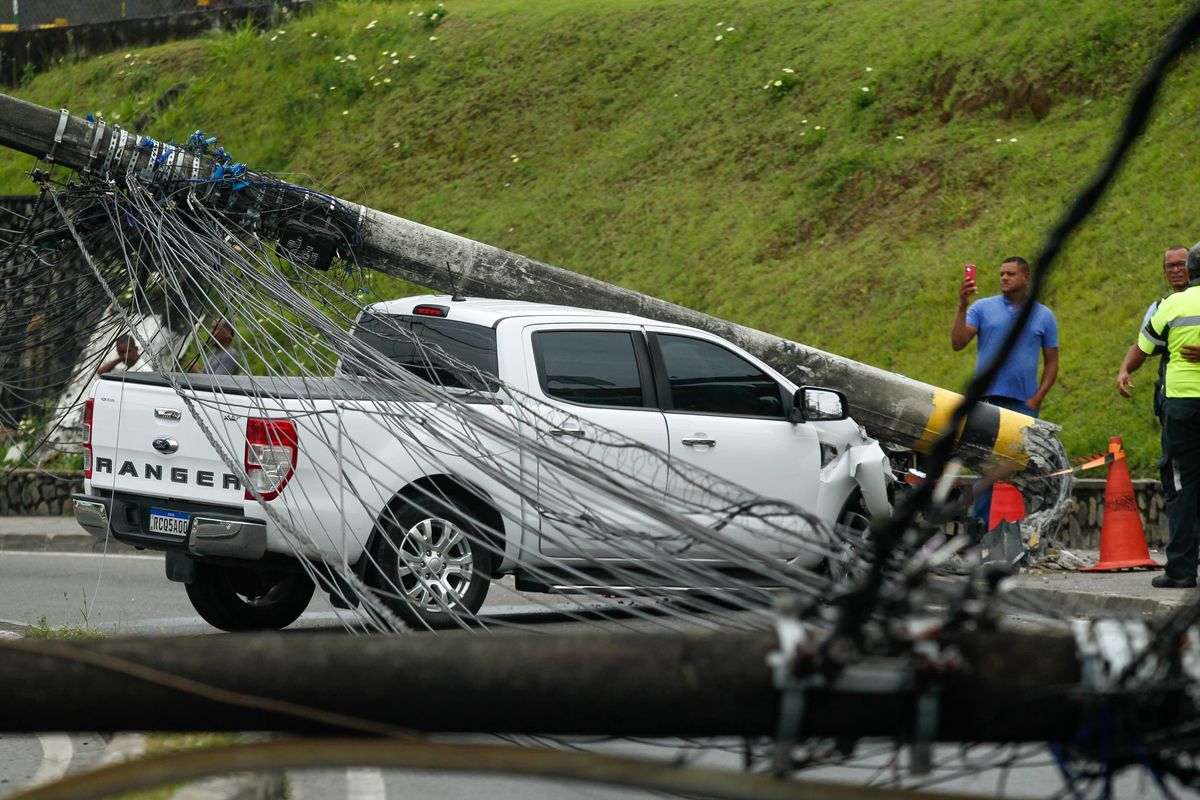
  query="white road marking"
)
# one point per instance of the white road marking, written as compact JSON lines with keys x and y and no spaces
{"x":365,"y":783}
{"x":57,"y":751}
{"x":52,"y":554}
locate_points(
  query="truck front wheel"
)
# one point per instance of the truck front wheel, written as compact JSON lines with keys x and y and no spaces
{"x":432,"y":563}
{"x":235,"y":599}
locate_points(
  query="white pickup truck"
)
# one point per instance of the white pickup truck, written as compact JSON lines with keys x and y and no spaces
{"x":241,"y":480}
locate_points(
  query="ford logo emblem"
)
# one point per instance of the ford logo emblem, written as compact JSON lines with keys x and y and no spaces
{"x":165,"y":445}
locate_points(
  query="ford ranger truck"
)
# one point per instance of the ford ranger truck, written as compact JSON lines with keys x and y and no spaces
{"x":243,"y":481}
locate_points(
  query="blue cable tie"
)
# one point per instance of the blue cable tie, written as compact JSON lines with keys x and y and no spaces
{"x":167,"y":153}
{"x":237,"y":187}
{"x":218,"y":171}
{"x":90,"y":117}
{"x":146,"y":142}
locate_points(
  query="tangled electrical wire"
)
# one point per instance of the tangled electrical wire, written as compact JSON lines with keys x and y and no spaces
{"x":162,"y":256}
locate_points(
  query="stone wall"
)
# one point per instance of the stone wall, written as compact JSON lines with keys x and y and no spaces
{"x":32,"y":492}
{"x":1087,"y":516}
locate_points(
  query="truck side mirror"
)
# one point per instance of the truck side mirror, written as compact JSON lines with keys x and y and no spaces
{"x":814,"y":404}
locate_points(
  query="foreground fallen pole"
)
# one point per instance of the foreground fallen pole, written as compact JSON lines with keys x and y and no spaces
{"x":891,"y":407}
{"x":1011,"y":687}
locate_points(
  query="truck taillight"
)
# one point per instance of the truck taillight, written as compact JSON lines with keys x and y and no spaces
{"x":271,"y":450}
{"x":87,"y":437}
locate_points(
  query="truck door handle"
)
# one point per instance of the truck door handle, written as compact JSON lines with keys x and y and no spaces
{"x":560,"y":432}
{"x":700,"y":442}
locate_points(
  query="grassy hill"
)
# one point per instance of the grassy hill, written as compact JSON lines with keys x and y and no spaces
{"x":814,"y":168}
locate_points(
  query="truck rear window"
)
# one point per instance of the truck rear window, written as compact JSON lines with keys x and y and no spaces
{"x":439,"y":351}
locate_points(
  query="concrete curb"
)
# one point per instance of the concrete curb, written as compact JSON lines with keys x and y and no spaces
{"x":1085,"y":604}
{"x":53,"y":534}
{"x":60,"y":543}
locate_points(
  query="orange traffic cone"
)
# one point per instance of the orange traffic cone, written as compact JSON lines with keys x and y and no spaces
{"x":1122,"y":537}
{"x":1007,"y":504}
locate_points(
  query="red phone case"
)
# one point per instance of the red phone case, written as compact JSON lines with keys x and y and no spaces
{"x":969,"y":272}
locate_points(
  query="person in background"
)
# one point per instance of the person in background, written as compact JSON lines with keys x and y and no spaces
{"x":127,"y":355}
{"x":225,"y":359}
{"x":1175,"y":326}
{"x":1175,"y":270}
{"x":1016,"y":385}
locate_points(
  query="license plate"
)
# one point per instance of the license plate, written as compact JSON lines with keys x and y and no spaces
{"x":172,"y":523}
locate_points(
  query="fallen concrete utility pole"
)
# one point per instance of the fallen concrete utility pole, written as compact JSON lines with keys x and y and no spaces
{"x":892,"y":408}
{"x":1010,"y":687}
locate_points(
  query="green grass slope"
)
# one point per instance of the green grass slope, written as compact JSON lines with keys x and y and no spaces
{"x":813,"y":168}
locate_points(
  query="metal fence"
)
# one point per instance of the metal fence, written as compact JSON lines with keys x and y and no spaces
{"x":26,"y":15}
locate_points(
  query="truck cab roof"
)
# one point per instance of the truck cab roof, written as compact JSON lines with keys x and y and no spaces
{"x":490,"y":312}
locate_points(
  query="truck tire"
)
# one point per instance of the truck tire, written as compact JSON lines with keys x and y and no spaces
{"x":432,"y":563}
{"x":235,"y":599}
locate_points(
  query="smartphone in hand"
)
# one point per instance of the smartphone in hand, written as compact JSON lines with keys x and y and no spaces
{"x":969,"y":272}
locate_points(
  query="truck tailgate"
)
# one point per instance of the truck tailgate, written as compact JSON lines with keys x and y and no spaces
{"x":146,"y":441}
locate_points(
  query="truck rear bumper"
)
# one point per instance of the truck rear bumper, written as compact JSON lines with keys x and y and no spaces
{"x":208,"y":534}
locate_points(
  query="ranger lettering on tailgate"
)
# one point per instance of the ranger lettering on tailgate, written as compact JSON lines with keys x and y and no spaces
{"x":154,"y":472}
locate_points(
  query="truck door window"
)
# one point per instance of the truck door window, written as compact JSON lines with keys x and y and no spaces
{"x":595,"y":368}
{"x":708,"y":379}
{"x":439,"y":351}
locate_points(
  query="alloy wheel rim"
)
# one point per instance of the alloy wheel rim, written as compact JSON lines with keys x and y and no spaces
{"x":434,"y":565}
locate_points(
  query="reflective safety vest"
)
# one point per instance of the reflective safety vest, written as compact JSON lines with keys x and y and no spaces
{"x":1176,"y":323}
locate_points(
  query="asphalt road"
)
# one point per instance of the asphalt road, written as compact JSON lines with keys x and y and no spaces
{"x":129,"y":594}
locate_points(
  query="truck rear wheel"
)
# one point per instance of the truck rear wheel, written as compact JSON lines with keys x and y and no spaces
{"x":235,"y":599}
{"x":432,"y":563}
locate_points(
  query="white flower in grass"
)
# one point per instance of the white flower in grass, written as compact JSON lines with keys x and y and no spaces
{"x":866,"y":88}
{"x":777,"y":83}
{"x":789,"y":70}
{"x":344,"y":113}
{"x":870,"y":69}
{"x":1013,"y":139}
{"x":395,"y":145}
{"x":729,"y":29}
{"x":719,"y":38}
{"x":433,"y":38}
{"x":351,"y":57}
{"x":899,"y":138}
{"x":372,"y":24}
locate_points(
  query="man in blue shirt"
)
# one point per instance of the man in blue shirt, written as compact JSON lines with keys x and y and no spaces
{"x":1016,"y":385}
